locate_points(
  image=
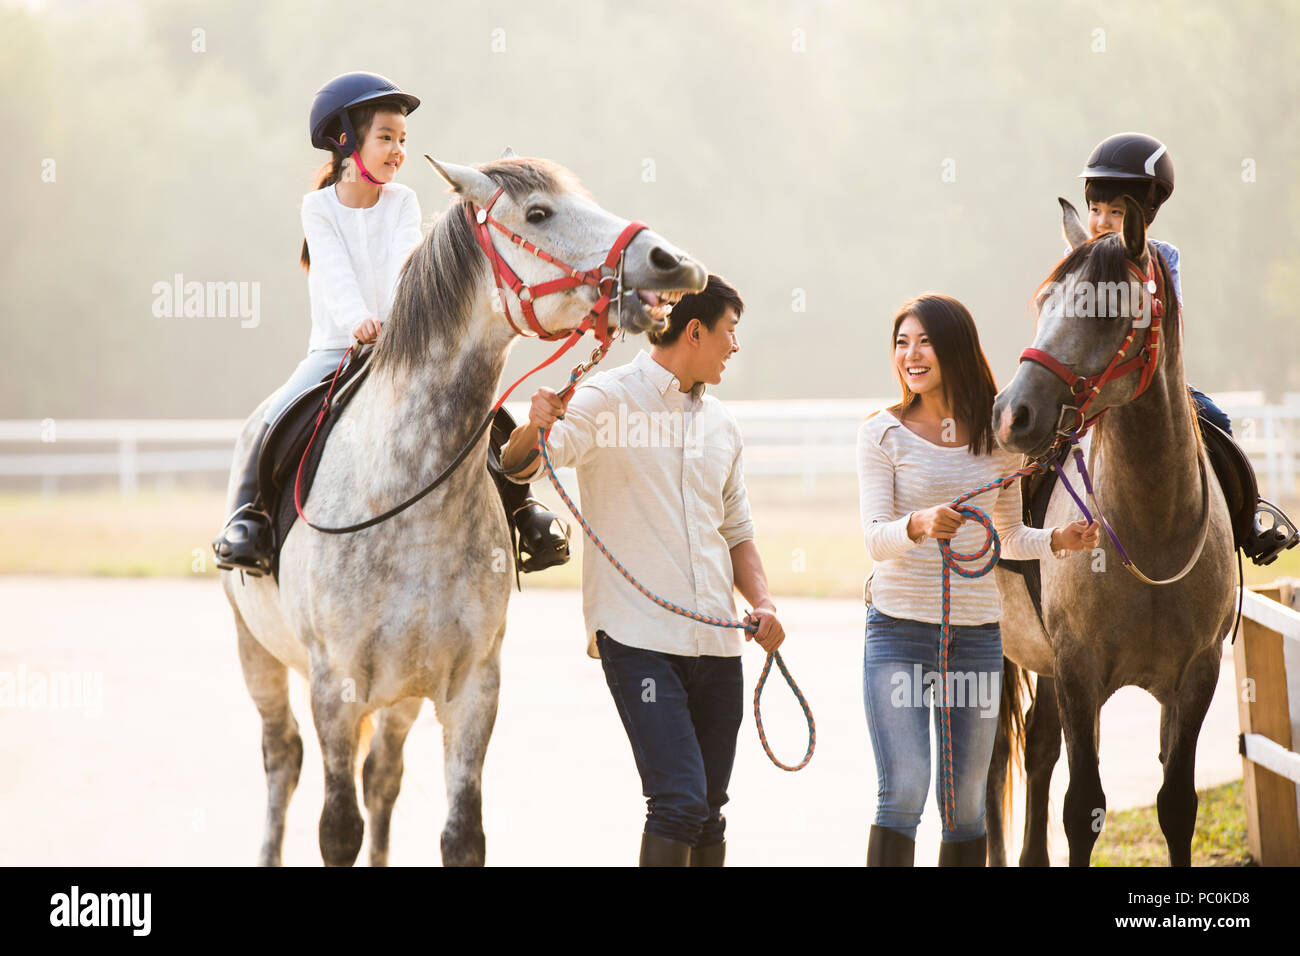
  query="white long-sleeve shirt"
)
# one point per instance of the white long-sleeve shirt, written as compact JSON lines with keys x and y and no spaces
{"x":661,"y":481}
{"x":356,"y":256}
{"x":900,"y":472}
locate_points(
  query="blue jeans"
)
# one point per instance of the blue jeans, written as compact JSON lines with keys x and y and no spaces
{"x":681,"y":715}
{"x":313,"y":368}
{"x":899,"y":683}
{"x":1209,"y":411}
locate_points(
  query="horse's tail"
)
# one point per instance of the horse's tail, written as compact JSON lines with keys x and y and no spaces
{"x":1011,"y":720}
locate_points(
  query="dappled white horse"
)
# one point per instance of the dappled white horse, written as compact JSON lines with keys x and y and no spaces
{"x":415,"y":607}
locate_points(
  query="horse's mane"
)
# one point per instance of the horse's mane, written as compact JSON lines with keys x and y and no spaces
{"x":435,"y":290}
{"x":1105,"y":259}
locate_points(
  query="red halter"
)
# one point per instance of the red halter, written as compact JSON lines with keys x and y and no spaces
{"x":1085,"y":388}
{"x":605,"y":277}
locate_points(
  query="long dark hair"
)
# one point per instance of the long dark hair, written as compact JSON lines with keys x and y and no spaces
{"x":968,"y":385}
{"x":332,"y":172}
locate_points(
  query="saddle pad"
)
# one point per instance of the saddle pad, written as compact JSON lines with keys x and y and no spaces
{"x":285,"y":442}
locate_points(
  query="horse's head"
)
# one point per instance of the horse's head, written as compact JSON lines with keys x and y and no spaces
{"x":543,"y":204}
{"x":1095,"y":333}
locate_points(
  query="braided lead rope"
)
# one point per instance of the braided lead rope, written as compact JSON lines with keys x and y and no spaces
{"x":951,"y":563}
{"x":663,"y":602}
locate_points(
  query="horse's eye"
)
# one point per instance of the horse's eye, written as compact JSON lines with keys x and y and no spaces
{"x":538,"y":214}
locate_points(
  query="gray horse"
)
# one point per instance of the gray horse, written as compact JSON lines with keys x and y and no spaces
{"x":1105,"y":628}
{"x":415,"y":607}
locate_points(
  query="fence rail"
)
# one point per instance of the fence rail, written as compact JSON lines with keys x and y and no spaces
{"x":808,"y":439}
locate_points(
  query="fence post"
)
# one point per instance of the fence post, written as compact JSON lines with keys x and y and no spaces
{"x":1272,"y":820}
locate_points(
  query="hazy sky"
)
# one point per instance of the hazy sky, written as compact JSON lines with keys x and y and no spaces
{"x":830,"y":159}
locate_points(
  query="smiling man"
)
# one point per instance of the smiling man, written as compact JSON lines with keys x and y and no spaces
{"x":667,"y":498}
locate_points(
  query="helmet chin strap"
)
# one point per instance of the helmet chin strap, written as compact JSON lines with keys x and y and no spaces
{"x":365,"y":173}
{"x":356,"y":158}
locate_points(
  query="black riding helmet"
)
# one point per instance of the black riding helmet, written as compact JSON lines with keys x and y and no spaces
{"x":1134,"y":156}
{"x":350,"y":89}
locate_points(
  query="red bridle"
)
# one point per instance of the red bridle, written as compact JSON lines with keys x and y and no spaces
{"x":606,"y":277}
{"x":1085,"y":388}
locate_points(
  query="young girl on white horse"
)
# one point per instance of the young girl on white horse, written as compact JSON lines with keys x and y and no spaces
{"x":359,"y":227}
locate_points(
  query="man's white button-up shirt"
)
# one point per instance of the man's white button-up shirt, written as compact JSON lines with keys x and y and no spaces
{"x":661,"y":483}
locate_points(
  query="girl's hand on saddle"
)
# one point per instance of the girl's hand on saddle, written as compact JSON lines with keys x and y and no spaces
{"x":547,"y":408}
{"x":367,"y":331}
{"x":939,"y":522}
{"x":1076,"y":536}
{"x":770,"y":633}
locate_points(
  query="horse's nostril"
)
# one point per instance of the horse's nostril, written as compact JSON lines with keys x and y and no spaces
{"x":1021,"y":418}
{"x":661,"y":258}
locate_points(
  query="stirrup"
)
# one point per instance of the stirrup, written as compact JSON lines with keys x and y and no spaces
{"x":1266,"y":543}
{"x":248,"y":552}
{"x":537,"y":538}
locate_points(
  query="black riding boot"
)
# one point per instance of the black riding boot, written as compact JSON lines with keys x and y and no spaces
{"x":965,"y":852}
{"x":245,"y":542}
{"x":660,"y":851}
{"x":1259,"y":528}
{"x":712,"y":855}
{"x":886,"y":847}
{"x":1273,"y":533}
{"x":543,"y":537}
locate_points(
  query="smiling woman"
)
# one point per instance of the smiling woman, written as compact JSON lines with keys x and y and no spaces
{"x":914,"y":459}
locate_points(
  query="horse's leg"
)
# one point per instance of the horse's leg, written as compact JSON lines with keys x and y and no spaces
{"x":1078,"y":701}
{"x":467,"y":719}
{"x":338,"y":725}
{"x":381,"y":777}
{"x":268,"y":684}
{"x":1042,"y":750}
{"x":993,"y":798}
{"x":1180,"y":726}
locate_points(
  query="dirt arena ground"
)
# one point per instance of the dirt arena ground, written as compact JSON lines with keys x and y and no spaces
{"x":159,"y":761}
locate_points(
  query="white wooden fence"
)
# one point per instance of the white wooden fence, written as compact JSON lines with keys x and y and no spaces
{"x":807,"y":439}
{"x":1266,"y":656}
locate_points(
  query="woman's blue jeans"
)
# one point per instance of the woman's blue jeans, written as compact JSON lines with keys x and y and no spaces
{"x":900,"y":685}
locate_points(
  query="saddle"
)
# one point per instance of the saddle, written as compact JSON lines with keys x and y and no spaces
{"x":1231,"y":466}
{"x":287,"y":438}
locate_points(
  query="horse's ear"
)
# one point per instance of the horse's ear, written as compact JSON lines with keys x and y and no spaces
{"x":468,"y":182}
{"x":1071,"y":225}
{"x":1135,"y":232}
{"x":508,"y":153}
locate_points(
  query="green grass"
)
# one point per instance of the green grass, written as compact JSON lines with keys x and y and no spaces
{"x":1133,"y":837}
{"x":810,"y":537}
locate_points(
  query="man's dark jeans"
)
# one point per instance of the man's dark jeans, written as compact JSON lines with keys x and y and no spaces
{"x":682,"y":715}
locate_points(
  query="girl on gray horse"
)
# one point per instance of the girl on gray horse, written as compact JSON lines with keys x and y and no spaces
{"x":359,"y":226}
{"x":1138,"y":167}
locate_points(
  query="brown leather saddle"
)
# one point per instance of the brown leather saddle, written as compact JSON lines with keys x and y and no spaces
{"x":287,"y":438}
